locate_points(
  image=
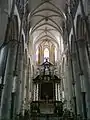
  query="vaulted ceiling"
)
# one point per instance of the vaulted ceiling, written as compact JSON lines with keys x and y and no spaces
{"x":45,"y":19}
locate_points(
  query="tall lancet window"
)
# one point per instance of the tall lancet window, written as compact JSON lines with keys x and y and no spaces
{"x":46,"y":54}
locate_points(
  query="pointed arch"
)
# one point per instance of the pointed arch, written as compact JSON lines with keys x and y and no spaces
{"x":38,"y":6}
{"x":46,"y":9}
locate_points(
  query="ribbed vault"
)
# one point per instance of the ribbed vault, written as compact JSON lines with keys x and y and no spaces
{"x":45,"y":20}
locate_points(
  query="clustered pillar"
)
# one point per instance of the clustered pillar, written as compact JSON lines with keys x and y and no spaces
{"x":16,"y":84}
{"x":8,"y":81}
{"x":19,"y":81}
{"x":85,"y":73}
{"x":77,"y":81}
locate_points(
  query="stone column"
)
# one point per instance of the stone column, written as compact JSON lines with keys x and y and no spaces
{"x":86,"y":71}
{"x":8,"y":80}
{"x":65,"y":83}
{"x":3,"y":60}
{"x":72,"y":98}
{"x":28,"y":87}
{"x":25,"y":86}
{"x":68,"y":73}
{"x":56,"y":91}
{"x":38,"y":55}
{"x":22,"y":93}
{"x":52,"y":54}
{"x":42,"y":54}
{"x":37,"y":93}
{"x":3,"y":55}
{"x":34,"y":90}
{"x":31,"y":86}
{"x":19,"y":81}
{"x":77,"y":84}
